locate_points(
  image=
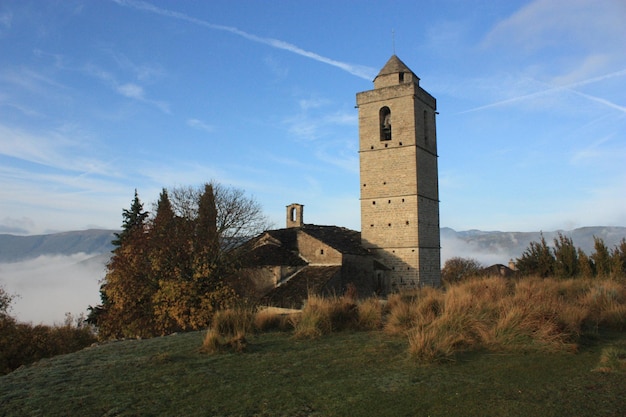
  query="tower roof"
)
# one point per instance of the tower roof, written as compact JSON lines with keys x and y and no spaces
{"x":394,"y":66}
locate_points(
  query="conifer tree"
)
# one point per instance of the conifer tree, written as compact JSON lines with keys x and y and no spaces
{"x":133,"y":218}
{"x":537,"y":259}
{"x":127,"y":290}
{"x":618,"y":260}
{"x":601,"y":258}
{"x":585,"y":265}
{"x":566,"y":257}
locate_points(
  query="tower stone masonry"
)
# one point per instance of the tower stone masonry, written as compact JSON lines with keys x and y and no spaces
{"x":399,"y":177}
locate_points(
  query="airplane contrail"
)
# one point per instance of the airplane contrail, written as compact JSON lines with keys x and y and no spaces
{"x":361,"y":71}
{"x":568,"y":87}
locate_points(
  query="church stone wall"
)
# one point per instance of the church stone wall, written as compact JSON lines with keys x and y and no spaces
{"x":317,"y":253}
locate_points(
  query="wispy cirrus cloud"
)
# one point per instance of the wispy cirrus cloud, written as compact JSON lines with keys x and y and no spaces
{"x":311,"y":127}
{"x":361,"y":71}
{"x":200,"y":125}
{"x":55,"y":149}
{"x":547,"y":23}
{"x":128,"y":89}
{"x":6,"y":19}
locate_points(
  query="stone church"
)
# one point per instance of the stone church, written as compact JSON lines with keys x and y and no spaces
{"x":399,"y":243}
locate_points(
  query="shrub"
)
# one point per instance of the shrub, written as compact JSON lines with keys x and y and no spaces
{"x":22,"y":344}
{"x":458,"y":269}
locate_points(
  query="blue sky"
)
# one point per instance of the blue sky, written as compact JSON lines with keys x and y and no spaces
{"x":98,"y":98}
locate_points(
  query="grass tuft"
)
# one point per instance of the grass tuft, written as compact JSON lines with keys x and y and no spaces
{"x":323,"y":315}
{"x":228,"y":330}
{"x":612,"y":359}
{"x":268,"y":320}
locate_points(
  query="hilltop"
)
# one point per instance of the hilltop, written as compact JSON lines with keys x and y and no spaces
{"x":344,"y":374}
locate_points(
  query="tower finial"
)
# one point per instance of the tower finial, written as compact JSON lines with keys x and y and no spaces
{"x":393,"y":40}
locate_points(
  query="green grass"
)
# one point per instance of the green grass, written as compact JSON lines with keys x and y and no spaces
{"x":342,"y":374}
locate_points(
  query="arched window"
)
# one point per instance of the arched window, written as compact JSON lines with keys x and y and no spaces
{"x":385,"y":123}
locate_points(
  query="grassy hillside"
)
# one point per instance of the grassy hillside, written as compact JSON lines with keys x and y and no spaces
{"x":342,"y":374}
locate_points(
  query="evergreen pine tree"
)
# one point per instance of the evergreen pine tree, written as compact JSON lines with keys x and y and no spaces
{"x":601,"y":258}
{"x":537,"y":259}
{"x":566,"y":257}
{"x":127,"y":290}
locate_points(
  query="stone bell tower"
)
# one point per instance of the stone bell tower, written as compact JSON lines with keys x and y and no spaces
{"x":399,"y":177}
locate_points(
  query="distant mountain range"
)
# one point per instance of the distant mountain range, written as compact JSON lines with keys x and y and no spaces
{"x":18,"y":248}
{"x":486,"y":246}
{"x":499,"y":247}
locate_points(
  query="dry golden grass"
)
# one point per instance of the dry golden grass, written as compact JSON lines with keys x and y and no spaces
{"x":612,"y":359}
{"x":503,"y":315}
{"x":269,"y":320}
{"x":485,"y":313}
{"x":370,"y":315}
{"x":323,"y":315}
{"x":228,"y":330}
{"x":405,"y":311}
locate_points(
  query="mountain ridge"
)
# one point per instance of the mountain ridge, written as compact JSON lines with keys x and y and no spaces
{"x":488,"y":245}
{"x":15,"y":248}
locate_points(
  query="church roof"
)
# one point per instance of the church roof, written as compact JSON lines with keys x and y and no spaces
{"x":272,"y":255}
{"x":394,"y":66}
{"x":344,"y":240}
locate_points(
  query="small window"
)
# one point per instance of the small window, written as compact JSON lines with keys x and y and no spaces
{"x":401,"y":77}
{"x":385,"y":123}
{"x":321,"y":251}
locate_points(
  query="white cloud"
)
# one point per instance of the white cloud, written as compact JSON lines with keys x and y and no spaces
{"x":452,"y":247}
{"x":50,"y":286}
{"x":131,"y":90}
{"x":16,"y":225}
